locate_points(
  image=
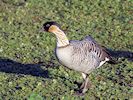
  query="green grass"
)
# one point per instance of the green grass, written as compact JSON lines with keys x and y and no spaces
{"x":110,"y":22}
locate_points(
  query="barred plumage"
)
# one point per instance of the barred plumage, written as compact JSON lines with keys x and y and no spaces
{"x":85,"y":55}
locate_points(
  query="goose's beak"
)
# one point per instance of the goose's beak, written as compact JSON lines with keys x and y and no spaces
{"x":41,"y":30}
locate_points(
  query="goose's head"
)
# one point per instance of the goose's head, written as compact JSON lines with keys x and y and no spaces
{"x":51,"y":27}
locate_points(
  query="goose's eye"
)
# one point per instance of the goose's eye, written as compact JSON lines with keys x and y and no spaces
{"x":48,"y":25}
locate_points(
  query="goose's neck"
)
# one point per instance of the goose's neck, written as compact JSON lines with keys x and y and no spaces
{"x":62,"y":39}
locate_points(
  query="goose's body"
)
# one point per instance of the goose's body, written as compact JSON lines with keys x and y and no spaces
{"x":83,"y":56}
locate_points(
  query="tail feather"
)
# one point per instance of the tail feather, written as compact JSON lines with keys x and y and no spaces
{"x":112,"y":60}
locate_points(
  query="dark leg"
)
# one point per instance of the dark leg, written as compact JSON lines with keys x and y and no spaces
{"x":85,"y":85}
{"x":84,"y":77}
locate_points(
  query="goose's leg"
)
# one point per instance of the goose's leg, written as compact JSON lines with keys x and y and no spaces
{"x":84,"y":77}
{"x":86,"y":84}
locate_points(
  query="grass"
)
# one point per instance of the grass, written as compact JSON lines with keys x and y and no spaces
{"x":23,"y":48}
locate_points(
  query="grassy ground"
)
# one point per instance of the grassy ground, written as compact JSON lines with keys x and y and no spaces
{"x":23,"y":48}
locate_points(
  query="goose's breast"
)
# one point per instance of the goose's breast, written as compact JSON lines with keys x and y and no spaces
{"x":64,"y":56}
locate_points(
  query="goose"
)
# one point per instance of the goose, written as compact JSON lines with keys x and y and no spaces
{"x":83,"y":55}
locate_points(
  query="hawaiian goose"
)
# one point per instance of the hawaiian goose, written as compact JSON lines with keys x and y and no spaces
{"x":83,"y":56}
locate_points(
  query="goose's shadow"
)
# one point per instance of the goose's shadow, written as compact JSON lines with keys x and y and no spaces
{"x":122,"y":54}
{"x":10,"y":66}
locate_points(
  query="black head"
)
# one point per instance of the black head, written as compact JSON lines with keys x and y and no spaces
{"x":47,"y":25}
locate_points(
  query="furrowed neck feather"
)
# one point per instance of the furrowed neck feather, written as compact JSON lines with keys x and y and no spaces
{"x":62,"y":40}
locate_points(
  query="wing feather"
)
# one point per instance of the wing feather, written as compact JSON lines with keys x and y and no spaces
{"x":89,"y":45}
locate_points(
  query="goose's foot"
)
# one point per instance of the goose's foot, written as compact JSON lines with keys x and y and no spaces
{"x":84,"y":87}
{"x":79,"y":93}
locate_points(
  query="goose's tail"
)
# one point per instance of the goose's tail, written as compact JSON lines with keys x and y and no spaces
{"x":112,"y":61}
